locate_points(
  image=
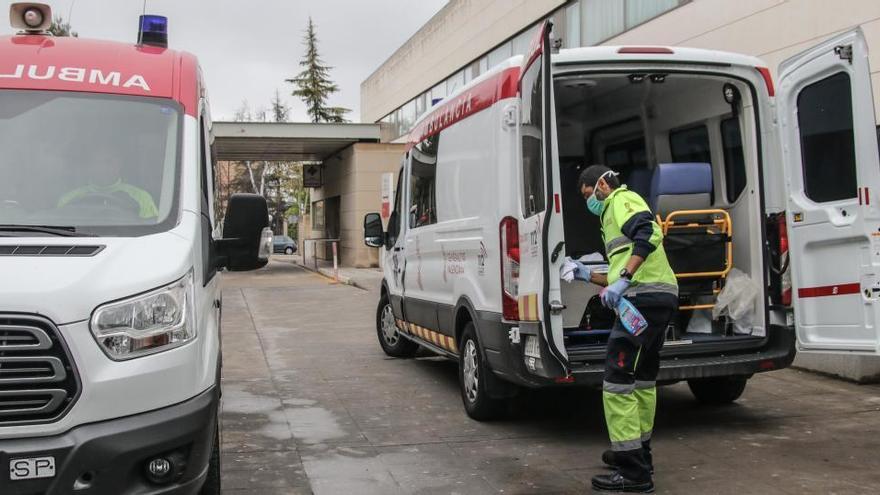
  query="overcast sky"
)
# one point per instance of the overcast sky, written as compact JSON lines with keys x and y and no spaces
{"x":248,"y":47}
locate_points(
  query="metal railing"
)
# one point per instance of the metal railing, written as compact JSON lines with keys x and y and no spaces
{"x":334,"y":242}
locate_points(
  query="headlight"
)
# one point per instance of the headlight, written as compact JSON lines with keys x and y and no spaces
{"x":148,"y":323}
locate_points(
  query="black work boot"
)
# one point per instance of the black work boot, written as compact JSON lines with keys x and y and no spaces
{"x":615,"y":482}
{"x":609,"y":457}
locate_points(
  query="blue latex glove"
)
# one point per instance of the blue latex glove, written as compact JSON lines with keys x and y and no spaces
{"x":611,"y":295}
{"x":582,"y":272}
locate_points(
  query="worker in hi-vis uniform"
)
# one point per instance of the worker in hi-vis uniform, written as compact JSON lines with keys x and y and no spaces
{"x":639,"y":271}
{"x":106,"y":188}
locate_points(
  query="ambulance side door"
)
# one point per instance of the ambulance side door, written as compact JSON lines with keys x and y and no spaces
{"x":829,"y":144}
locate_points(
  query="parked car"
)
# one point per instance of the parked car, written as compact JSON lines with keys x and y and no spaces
{"x":283,"y":244}
{"x":486,"y":212}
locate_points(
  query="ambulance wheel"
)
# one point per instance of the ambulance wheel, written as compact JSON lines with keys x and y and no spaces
{"x":718,"y":390}
{"x":474,"y":379}
{"x":394,"y":344}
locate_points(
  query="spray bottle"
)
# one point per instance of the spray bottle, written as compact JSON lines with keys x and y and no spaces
{"x":630,"y":317}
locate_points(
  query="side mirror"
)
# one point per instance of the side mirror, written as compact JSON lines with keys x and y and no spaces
{"x":374,"y":236}
{"x":247,"y":239}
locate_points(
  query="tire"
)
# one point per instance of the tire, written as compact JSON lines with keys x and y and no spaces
{"x":288,"y":250}
{"x":474,"y":379}
{"x":212,"y":484}
{"x":394,"y":344}
{"x":718,"y":390}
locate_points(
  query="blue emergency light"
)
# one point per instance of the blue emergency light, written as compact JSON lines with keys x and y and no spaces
{"x":153,"y":31}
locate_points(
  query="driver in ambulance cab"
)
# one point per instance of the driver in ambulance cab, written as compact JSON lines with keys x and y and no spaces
{"x":105,"y":185}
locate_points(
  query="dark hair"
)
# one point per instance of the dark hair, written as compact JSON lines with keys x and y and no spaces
{"x":591,"y":174}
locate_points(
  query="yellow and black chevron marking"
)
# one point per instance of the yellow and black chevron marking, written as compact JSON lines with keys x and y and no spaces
{"x":436,"y":338}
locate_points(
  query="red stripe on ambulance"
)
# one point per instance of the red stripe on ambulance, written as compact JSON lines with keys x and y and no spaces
{"x":482,"y":96}
{"x":829,"y":290}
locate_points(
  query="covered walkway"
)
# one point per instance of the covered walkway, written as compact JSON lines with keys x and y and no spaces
{"x":352,"y":159}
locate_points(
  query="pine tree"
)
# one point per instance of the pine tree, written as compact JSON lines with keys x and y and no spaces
{"x":313,"y":84}
{"x":61,"y":28}
{"x":280,"y":110}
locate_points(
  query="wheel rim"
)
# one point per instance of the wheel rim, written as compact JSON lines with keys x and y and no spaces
{"x":470,"y":372}
{"x":389,"y":327}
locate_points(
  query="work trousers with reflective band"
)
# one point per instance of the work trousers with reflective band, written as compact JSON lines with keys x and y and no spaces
{"x":629,"y":390}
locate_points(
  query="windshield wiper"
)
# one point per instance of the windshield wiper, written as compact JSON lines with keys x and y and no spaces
{"x":59,"y":230}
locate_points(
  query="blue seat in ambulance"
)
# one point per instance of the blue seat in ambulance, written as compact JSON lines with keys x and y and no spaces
{"x":681,"y":186}
{"x":697,"y":237}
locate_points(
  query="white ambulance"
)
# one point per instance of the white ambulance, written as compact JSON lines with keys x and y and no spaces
{"x":738,"y":170}
{"x":109,"y":289}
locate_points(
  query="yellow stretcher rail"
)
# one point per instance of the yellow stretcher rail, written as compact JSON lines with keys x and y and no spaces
{"x":723,"y":225}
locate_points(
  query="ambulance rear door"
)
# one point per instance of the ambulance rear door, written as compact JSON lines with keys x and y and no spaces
{"x":829,"y":142}
{"x":541,"y":247}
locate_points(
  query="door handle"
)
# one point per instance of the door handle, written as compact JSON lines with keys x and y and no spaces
{"x":556,"y":307}
{"x":398,"y":249}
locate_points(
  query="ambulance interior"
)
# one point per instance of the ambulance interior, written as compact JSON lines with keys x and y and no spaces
{"x":687,"y":144}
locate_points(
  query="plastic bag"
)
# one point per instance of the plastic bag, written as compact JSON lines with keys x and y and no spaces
{"x":737,"y":298}
{"x":700,"y":322}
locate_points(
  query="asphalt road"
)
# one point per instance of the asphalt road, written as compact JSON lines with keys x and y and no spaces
{"x":312,"y":405}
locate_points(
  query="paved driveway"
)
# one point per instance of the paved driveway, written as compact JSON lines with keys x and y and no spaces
{"x":312,"y":405}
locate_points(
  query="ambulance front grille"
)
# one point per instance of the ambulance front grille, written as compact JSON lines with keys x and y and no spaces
{"x":38,"y":382}
{"x":54,"y":250}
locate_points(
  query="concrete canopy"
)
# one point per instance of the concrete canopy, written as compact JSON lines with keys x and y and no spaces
{"x":283,"y":141}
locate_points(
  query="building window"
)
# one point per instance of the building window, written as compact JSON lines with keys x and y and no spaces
{"x":520,"y":43}
{"x":532,"y":142}
{"x":318,"y":215}
{"x":455,"y":82}
{"x":734,"y":160}
{"x":690,"y":145}
{"x":407,"y":116}
{"x":499,"y":54}
{"x":423,"y":175}
{"x":484,"y":65}
{"x":825,"y":121}
{"x":604,"y":19}
{"x":572,"y":26}
{"x":420,"y":105}
{"x":438,"y":92}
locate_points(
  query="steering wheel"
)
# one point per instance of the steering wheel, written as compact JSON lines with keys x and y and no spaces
{"x":107,"y":200}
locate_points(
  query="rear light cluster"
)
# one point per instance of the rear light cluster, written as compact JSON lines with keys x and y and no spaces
{"x":509,"y":234}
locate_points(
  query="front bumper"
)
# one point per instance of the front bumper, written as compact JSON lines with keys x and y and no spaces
{"x":109,"y":457}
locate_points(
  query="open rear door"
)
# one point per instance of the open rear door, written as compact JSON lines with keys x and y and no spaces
{"x":541,"y":245}
{"x":830,"y":152}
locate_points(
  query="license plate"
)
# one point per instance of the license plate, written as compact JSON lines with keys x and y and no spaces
{"x":32,"y":468}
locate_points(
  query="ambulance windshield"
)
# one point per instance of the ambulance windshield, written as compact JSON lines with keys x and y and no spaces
{"x":104,"y":165}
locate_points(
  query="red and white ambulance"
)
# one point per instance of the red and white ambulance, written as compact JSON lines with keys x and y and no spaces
{"x":109,"y":298}
{"x":740,"y":171}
